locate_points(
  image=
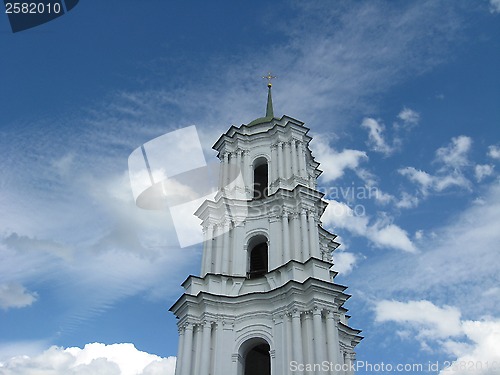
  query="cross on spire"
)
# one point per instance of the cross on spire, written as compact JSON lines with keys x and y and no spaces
{"x":269,"y":77}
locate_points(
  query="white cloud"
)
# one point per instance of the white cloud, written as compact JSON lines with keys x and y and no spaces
{"x":483,"y":170}
{"x":455,"y":155}
{"x":409,"y":116}
{"x":376,"y":136}
{"x":380,"y":233}
{"x":469,"y":341}
{"x":495,"y":6}
{"x":467,"y":245}
{"x":407,"y":201}
{"x":115,"y":359}
{"x":431,"y":321}
{"x":391,"y":236}
{"x":494,"y":151}
{"x":13,"y":295}
{"x":333,"y":163}
{"x":484,"y":337}
{"x":344,"y":262}
{"x":422,"y":178}
{"x":436,"y":183}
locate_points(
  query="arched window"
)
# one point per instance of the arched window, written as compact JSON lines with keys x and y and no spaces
{"x":260,"y":178}
{"x":257,"y":257}
{"x":258,"y":360}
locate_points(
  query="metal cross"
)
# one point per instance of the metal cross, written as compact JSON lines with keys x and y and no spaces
{"x":269,"y":77}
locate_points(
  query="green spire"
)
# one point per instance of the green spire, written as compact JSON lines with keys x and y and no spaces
{"x":269,"y":108}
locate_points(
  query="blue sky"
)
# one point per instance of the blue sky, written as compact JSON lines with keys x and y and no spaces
{"x":401,"y":98}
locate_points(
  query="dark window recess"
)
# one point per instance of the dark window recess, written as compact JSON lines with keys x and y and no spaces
{"x":258,"y":361}
{"x":258,"y":261}
{"x":260,"y":181}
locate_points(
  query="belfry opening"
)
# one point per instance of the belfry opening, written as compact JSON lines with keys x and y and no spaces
{"x":260,"y":179}
{"x":258,"y":360}
{"x":258,"y":262}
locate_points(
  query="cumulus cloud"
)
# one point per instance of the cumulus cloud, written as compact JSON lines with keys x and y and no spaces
{"x":344,"y":262}
{"x":431,"y":321}
{"x":469,"y":341}
{"x":495,"y":6}
{"x":455,"y":155}
{"x":13,"y":295}
{"x":453,"y":158}
{"x":376,"y":139}
{"x":409,"y":116}
{"x":481,"y":350}
{"x":380,"y":233}
{"x":96,"y":358}
{"x":483,"y":170}
{"x":333,"y":163}
{"x":494,"y":151}
{"x":467,"y":245}
{"x":407,"y":201}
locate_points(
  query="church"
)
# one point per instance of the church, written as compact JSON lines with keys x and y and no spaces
{"x":265,"y":302}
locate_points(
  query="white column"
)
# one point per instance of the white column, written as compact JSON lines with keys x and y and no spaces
{"x":289,"y":341}
{"x":180,"y":349}
{"x":287,"y":253}
{"x":297,"y":248}
{"x":302,"y":159}
{"x":305,"y":236}
{"x":219,"y":348}
{"x":275,"y":251}
{"x":288,"y":160}
{"x":274,"y":165}
{"x":198,"y":348}
{"x":313,"y":235}
{"x":206,"y":349}
{"x":204,"y":252}
{"x":281,"y":161}
{"x":332,"y":333}
{"x":297,"y":340}
{"x":230,"y":168}
{"x":295,"y":165}
{"x":225,"y":179}
{"x":280,"y":345}
{"x":218,"y":249}
{"x":247,"y":173}
{"x":319,"y":339}
{"x":187,"y":359}
{"x":238,"y":162}
{"x":308,"y":338}
{"x":207,"y":251}
{"x":233,"y":251}
{"x":225,"y":249}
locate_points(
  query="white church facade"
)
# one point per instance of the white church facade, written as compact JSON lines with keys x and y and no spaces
{"x":265,"y":301}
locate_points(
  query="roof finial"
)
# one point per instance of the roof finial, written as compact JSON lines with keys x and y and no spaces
{"x":269,"y":77}
{"x":269,"y":108}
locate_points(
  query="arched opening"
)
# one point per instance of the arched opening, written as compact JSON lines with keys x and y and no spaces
{"x":260,"y":178}
{"x":258,"y":360}
{"x":258,"y":256}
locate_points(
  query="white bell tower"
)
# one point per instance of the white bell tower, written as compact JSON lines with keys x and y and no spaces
{"x":265,"y":302}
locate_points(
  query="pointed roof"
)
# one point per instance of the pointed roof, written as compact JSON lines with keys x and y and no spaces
{"x":269,"y":109}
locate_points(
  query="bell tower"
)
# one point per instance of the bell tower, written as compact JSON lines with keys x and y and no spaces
{"x":265,"y":301}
